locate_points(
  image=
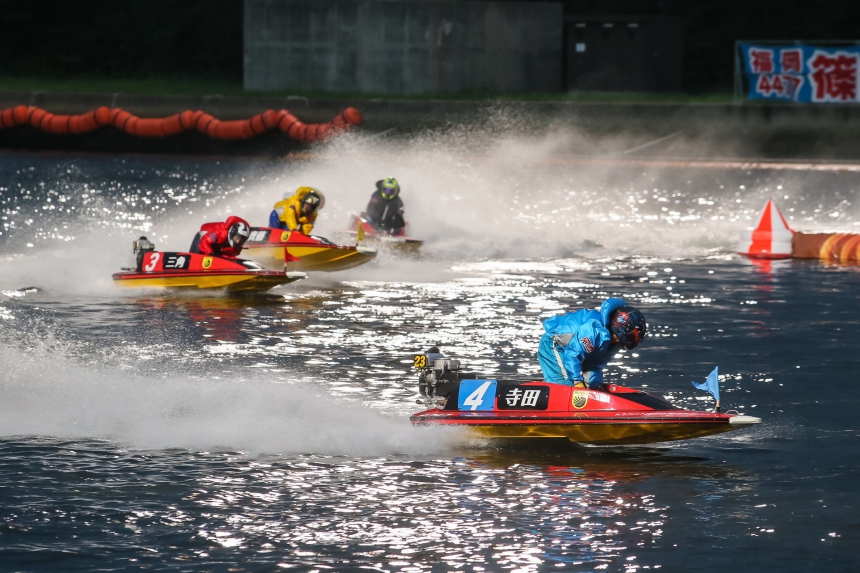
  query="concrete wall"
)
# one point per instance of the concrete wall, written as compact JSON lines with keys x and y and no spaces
{"x":402,"y":46}
{"x":623,"y":53}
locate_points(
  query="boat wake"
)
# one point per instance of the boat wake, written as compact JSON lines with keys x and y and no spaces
{"x":46,"y":393}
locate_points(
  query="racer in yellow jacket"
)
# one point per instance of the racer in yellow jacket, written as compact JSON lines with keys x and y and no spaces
{"x":297,"y":212}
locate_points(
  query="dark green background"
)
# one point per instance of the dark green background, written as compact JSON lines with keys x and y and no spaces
{"x":202,"y":39}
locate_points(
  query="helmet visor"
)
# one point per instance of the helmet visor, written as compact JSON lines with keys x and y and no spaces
{"x":389,"y":188}
{"x":629,"y":326}
{"x":310,"y":203}
{"x":238,"y":240}
{"x":239,"y":233}
{"x":632,"y":339}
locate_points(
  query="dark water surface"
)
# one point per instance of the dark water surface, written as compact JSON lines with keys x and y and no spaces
{"x":198,"y":433}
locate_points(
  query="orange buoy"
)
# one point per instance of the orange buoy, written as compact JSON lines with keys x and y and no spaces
{"x":771,"y":237}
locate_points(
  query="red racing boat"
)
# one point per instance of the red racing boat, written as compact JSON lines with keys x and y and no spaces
{"x":537,"y":409}
{"x":363,"y":231}
{"x":158,"y":269}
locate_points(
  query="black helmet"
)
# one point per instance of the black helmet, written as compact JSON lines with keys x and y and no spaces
{"x":628,"y":324}
{"x":311,"y":202}
{"x":238,"y":234}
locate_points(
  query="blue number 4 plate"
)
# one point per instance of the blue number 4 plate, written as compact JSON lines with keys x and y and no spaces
{"x":477,"y":395}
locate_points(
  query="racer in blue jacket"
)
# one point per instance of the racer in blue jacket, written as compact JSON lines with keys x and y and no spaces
{"x":577,"y":345}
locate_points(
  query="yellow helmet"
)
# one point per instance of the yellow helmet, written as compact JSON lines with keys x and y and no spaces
{"x":389,"y":188}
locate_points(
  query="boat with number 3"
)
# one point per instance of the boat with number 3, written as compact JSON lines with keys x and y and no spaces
{"x":156,"y":269}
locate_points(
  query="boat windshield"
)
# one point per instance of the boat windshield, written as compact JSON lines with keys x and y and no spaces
{"x":647,"y":400}
{"x":322,"y":240}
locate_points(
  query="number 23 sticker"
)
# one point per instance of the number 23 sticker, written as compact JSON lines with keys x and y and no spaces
{"x":477,"y":395}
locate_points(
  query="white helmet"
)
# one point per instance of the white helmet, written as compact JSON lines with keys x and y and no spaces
{"x":238,"y":230}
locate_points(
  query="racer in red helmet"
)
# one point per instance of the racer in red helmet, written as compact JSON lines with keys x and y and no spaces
{"x":578,"y":345}
{"x":222,"y":239}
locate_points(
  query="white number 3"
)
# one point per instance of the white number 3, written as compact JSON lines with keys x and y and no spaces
{"x":153,"y":260}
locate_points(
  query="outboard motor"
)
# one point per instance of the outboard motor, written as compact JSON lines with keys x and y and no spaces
{"x":438,"y":376}
{"x":141,"y":247}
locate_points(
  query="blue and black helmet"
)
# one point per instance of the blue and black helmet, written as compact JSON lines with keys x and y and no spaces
{"x":628,"y":324}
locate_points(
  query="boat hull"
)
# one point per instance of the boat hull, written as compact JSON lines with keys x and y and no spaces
{"x":198,"y":272}
{"x":594,"y":431}
{"x":276,"y":248}
{"x":370,"y":236}
{"x":232,"y":283}
{"x":613,"y":416}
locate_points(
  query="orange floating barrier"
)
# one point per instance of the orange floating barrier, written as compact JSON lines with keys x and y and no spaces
{"x":188,"y":120}
{"x":841,"y":248}
{"x":773,"y":239}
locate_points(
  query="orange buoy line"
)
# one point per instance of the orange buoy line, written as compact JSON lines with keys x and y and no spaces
{"x":841,"y":248}
{"x":772,"y":238}
{"x":178,"y":123}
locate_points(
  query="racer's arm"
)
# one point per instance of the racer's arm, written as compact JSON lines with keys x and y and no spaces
{"x":290,"y":219}
{"x":374,"y":208}
{"x":572,"y":358}
{"x":587,"y":343}
{"x":596,"y":366}
{"x":595,"y":373}
{"x":392,"y":216}
{"x":208,"y":246}
{"x":396,"y":220}
{"x":307,"y":227}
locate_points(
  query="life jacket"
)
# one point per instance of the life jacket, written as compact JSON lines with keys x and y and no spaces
{"x":215,"y":239}
{"x":290,"y":210}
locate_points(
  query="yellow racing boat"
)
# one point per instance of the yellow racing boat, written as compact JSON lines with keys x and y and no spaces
{"x":277,"y":248}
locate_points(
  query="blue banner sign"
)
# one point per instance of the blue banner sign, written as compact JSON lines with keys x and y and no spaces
{"x":802,"y":73}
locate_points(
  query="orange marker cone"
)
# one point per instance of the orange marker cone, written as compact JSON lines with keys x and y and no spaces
{"x":771,"y":237}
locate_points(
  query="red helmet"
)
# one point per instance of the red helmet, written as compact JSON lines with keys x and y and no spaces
{"x":628,"y":324}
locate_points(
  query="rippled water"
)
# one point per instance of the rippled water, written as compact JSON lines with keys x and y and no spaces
{"x":250,"y":434}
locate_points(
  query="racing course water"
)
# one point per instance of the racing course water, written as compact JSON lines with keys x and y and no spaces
{"x":200,"y":433}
